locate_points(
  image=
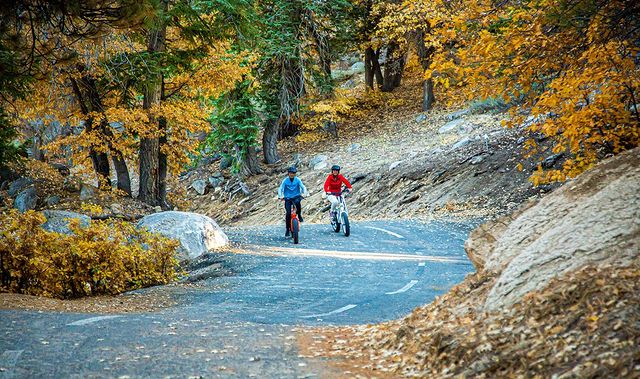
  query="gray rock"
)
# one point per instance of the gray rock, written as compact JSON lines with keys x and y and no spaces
{"x":357,"y":67}
{"x":318,"y":159}
{"x":72,"y":184}
{"x":87,"y":192}
{"x":18,"y":185}
{"x":592,"y":220}
{"x":215,"y":181}
{"x":197,"y":233}
{"x":218,"y":174}
{"x":117,"y":209}
{"x":225,"y":163}
{"x":321,"y":166}
{"x":26,"y":200}
{"x":349,"y":84}
{"x":52,"y":200}
{"x":551,"y":160}
{"x":117,"y":126}
{"x":297,"y":159}
{"x":354,"y":147}
{"x":421,"y":118}
{"x":463,"y":142}
{"x":394,"y":165}
{"x":458,"y":114}
{"x":58,"y":221}
{"x":200,"y":186}
{"x":477,"y":159}
{"x":454,"y":126}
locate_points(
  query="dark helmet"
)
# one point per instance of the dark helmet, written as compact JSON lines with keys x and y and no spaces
{"x":335,"y":167}
{"x":292,"y":169}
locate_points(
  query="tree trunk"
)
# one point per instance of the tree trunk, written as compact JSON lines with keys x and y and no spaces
{"x":393,"y":68}
{"x":368,"y":67}
{"x":269,"y":142}
{"x":162,"y":169}
{"x":122,"y":172}
{"x":249,"y":165}
{"x":372,"y":68}
{"x":150,"y":145}
{"x":397,"y":79}
{"x":377,"y":71}
{"x":425,"y":54}
{"x":427,"y":95}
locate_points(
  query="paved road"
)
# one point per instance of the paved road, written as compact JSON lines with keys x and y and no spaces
{"x":242,"y":324}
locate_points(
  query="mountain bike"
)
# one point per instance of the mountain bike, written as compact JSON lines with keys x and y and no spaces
{"x":340,"y":219}
{"x":294,"y":225}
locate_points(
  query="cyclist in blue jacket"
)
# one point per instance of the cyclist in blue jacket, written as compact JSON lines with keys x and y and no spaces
{"x":291,"y":192}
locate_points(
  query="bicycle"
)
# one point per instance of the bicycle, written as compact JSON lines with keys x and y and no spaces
{"x":340,"y":219}
{"x":294,"y":225}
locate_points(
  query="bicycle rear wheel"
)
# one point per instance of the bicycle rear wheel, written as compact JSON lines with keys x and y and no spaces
{"x":295,"y":230}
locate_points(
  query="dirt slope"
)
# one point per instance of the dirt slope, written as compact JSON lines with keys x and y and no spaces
{"x":403,"y":164}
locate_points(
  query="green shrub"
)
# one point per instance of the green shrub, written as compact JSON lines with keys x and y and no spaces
{"x":109,"y":257}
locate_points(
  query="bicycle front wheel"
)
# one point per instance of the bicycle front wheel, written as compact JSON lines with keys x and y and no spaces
{"x":346,"y":228}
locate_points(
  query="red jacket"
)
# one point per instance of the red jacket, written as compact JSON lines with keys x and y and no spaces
{"x":334,"y":185}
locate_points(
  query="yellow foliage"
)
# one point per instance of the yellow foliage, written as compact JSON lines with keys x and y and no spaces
{"x":105,"y":258}
{"x":344,"y":104}
{"x":564,"y":65}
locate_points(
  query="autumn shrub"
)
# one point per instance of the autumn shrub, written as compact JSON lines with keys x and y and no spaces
{"x":108,"y":257}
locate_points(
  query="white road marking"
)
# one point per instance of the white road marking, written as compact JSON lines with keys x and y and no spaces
{"x":9,"y":358}
{"x":421,"y":264}
{"x":385,"y":231}
{"x":91,"y":320}
{"x":404,"y":289}
{"x":290,"y":251}
{"x":339,"y":310}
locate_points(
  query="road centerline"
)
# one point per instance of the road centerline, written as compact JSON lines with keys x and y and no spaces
{"x":386,"y":231}
{"x":336,"y":311}
{"x":91,"y":320}
{"x":403,"y":289}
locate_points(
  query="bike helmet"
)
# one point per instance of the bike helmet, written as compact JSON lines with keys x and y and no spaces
{"x":292,"y":169}
{"x":335,"y":167}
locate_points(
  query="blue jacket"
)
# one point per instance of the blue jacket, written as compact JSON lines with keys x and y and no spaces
{"x":291,"y":188}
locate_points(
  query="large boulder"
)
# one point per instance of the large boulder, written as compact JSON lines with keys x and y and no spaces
{"x":197,"y":233}
{"x":592,"y":220}
{"x":26,"y":200}
{"x":18,"y":185}
{"x":58,"y":221}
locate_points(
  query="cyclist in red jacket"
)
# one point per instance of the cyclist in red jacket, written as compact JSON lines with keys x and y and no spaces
{"x":333,"y":187}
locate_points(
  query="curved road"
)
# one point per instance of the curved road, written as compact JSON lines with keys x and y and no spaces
{"x":243,"y":324}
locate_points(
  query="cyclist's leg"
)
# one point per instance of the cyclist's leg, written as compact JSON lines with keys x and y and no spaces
{"x":287,"y":207}
{"x":334,"y":202}
{"x":299,"y":208}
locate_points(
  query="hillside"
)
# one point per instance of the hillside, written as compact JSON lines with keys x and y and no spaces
{"x":556,"y":294}
{"x":403,"y":164}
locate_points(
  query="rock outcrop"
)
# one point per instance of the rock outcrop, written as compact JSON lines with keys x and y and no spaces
{"x":593,"y":219}
{"x":58,"y":221}
{"x":197,"y":233}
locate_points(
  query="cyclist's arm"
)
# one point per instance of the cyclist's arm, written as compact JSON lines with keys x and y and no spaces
{"x":303,"y":189}
{"x":345,"y":181}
